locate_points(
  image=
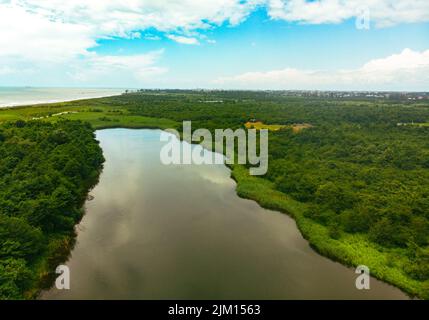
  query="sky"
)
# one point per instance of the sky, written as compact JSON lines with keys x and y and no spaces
{"x":216,"y":44}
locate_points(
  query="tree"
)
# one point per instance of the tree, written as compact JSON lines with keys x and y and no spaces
{"x":14,"y":275}
{"x":18,"y":239}
{"x":334,"y":197}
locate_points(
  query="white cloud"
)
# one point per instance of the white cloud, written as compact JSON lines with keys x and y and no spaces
{"x":57,"y":29}
{"x":120,"y":17}
{"x":135,"y":68}
{"x":35,"y":38}
{"x":38,"y":38}
{"x":382,"y":13}
{"x":6,"y":70}
{"x":182,"y":39}
{"x":90,"y":69}
{"x":408,"y":70}
{"x":55,"y":36}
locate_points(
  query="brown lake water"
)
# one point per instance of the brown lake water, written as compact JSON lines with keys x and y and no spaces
{"x":180,"y":232}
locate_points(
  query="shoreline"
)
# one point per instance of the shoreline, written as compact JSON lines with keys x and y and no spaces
{"x":349,"y":253}
{"x":255,"y":191}
{"x":35,"y":103}
{"x":317,"y":235}
{"x":64,"y":246}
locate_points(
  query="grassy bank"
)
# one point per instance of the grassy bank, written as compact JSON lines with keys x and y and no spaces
{"x":59,"y":247}
{"x":351,"y":250}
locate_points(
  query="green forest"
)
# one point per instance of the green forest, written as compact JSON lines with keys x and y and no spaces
{"x":46,"y":171}
{"x":357,"y":177}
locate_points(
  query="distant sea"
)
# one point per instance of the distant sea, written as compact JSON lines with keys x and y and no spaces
{"x":10,"y":96}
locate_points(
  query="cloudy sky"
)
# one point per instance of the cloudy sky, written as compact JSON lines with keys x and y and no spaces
{"x":253,"y":44}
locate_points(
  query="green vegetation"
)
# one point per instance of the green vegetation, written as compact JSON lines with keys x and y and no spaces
{"x":98,"y":112}
{"x":356,"y":182}
{"x":47,"y":170}
{"x":351,"y":249}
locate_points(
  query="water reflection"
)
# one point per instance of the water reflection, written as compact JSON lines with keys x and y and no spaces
{"x":181,"y":232}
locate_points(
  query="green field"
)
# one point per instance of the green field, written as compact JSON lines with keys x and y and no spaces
{"x":99,"y":116}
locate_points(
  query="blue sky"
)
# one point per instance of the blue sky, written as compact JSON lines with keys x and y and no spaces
{"x":255,"y":45}
{"x":264,"y":44}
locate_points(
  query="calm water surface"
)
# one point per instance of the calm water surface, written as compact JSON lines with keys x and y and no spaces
{"x":181,"y":232}
{"x":10,"y":96}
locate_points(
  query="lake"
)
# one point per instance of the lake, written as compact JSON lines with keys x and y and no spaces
{"x":180,"y":232}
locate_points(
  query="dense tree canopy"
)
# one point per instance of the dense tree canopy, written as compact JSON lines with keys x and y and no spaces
{"x":46,"y":170}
